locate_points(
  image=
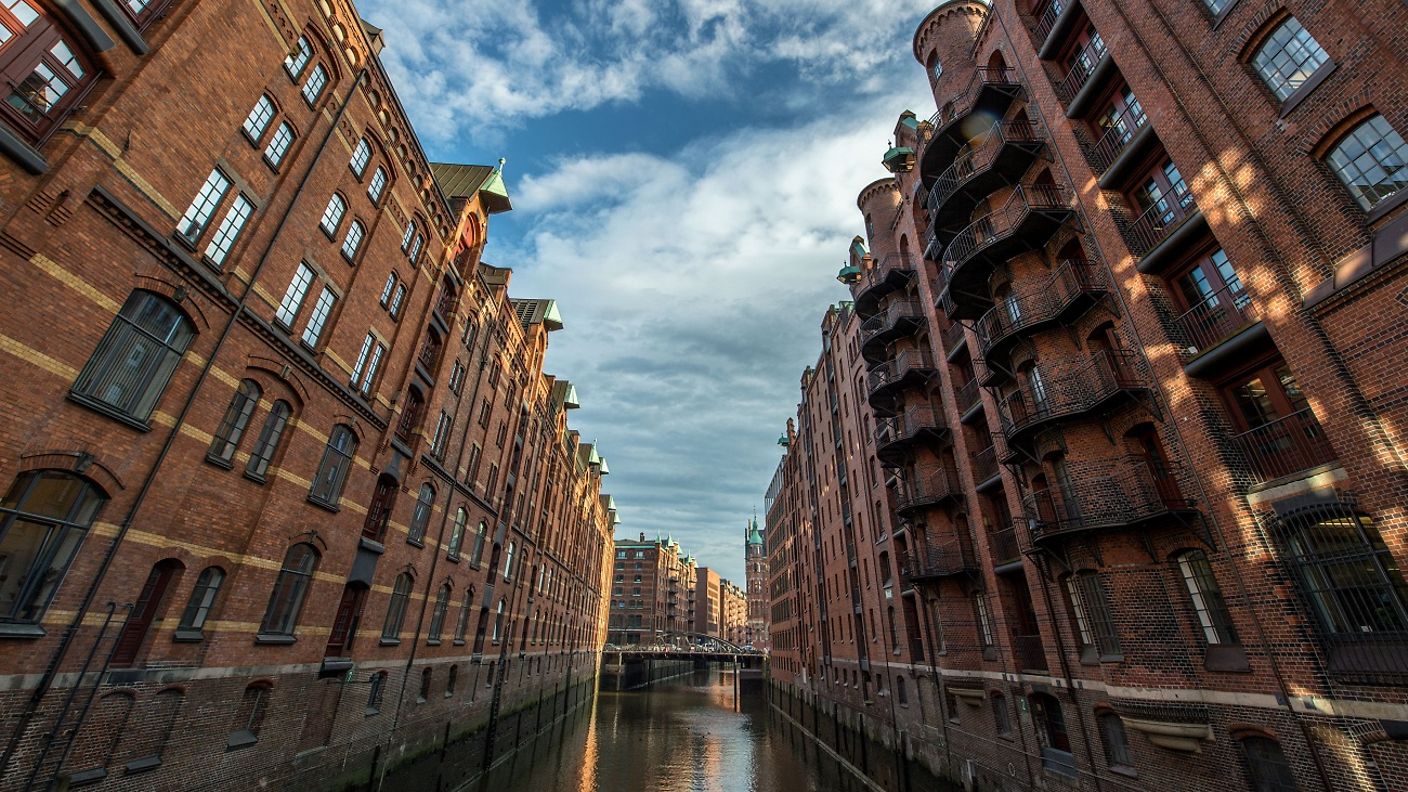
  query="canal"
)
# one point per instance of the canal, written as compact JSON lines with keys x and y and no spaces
{"x":690,"y":734}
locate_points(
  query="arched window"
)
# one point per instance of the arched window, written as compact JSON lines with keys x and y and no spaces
{"x":353,"y":241}
{"x":1113,"y":738}
{"x":901,"y":692}
{"x":437,"y":616}
{"x":457,"y":533}
{"x":332,"y":215}
{"x":375,"y":690}
{"x":451,"y":679}
{"x":425,"y":679}
{"x":298,"y":60}
{"x":332,"y":471}
{"x":508,"y":561}
{"x":46,"y":77}
{"x":1372,"y":161}
{"x":462,"y":626}
{"x":379,"y":511}
{"x":198,"y":606}
{"x":1267,"y":768}
{"x":480,"y":535}
{"x":268,"y":441}
{"x":130,"y":368}
{"x":290,"y":588}
{"x":147,"y":606}
{"x":346,"y":619}
{"x":43,"y":519}
{"x":232,"y":426}
{"x":396,"y":609}
{"x":249,"y":716}
{"x":313,"y":88}
{"x":361,"y":156}
{"x":279,"y":145}
{"x":1051,"y":721}
{"x":257,"y":122}
{"x":1214,"y":620}
{"x":377,"y":186}
{"x":499,"y":621}
{"x":1287,"y":58}
{"x":98,"y":738}
{"x":420,"y":518}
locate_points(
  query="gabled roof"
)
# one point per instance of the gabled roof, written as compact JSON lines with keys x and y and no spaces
{"x":467,"y":181}
{"x":538,"y":311}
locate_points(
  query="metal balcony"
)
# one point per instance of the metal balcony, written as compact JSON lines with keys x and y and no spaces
{"x":1115,"y":153}
{"x":1068,"y":388}
{"x":967,"y":399}
{"x":1074,"y":286}
{"x":910,"y":367}
{"x":1088,"y":66}
{"x":990,"y":92}
{"x":985,"y":466}
{"x":993,"y":159}
{"x":1286,"y":446}
{"x":891,"y":273}
{"x":1050,"y":23}
{"x":1027,"y":221}
{"x":1219,"y":316}
{"x":953,"y":337}
{"x":1029,"y":653}
{"x":896,"y":437}
{"x":1004,"y":543}
{"x":926,"y":487}
{"x":1161,"y":230}
{"x":897,"y":320}
{"x":1108,"y":494}
{"x":946,"y":557}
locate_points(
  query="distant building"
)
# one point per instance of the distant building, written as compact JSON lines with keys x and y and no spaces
{"x":756,"y":574}
{"x":651,"y":592}
{"x":708,"y":614}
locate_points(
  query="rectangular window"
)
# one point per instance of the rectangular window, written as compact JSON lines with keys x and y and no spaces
{"x":278,"y":145}
{"x":293,"y":296}
{"x":493,"y":478}
{"x":368,"y":361}
{"x":484,"y":410}
{"x":229,"y":230}
{"x":441,"y":439}
{"x":474,"y":454}
{"x":257,"y":122}
{"x":396,"y":300}
{"x":321,"y":309}
{"x":457,"y":377}
{"x":314,"y":87}
{"x":202,"y":209}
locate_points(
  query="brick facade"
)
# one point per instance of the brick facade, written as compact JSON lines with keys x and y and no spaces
{"x":1115,"y":420}
{"x":354,"y":526}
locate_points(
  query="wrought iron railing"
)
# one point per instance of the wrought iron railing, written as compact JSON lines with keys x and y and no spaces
{"x":1069,"y":386}
{"x":1146,"y":231}
{"x":886,"y":320}
{"x":1082,"y":67}
{"x":1002,"y":222}
{"x":892,"y":371}
{"x":1106,"y":493}
{"x":1029,"y":652}
{"x":430,"y":352}
{"x":963,"y":103}
{"x":985,"y":464}
{"x":953,"y":336}
{"x":908,"y":423}
{"x":1004,"y":543}
{"x":445,"y":306}
{"x":1118,"y":134}
{"x":1216,"y":317}
{"x":965,"y":396}
{"x":1043,"y":18}
{"x":945,"y":556}
{"x":978,"y":154}
{"x":880,"y":270}
{"x":925,"y":487}
{"x":1285,"y":446}
{"x":1071,"y":279}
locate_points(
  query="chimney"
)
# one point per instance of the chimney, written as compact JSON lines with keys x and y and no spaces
{"x":642,"y":536}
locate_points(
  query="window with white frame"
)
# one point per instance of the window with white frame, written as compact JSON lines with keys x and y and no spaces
{"x":314,"y":331}
{"x":377,"y":186}
{"x":278,"y":145}
{"x":332,"y":215}
{"x":228,"y":232}
{"x":1288,"y":57}
{"x":353,"y":241}
{"x":360,"y":157}
{"x":294,"y":294}
{"x":317,"y":81}
{"x":257,"y":122}
{"x":202,"y":209}
{"x":297,"y":60}
{"x":368,"y":361}
{"x":1372,"y":161}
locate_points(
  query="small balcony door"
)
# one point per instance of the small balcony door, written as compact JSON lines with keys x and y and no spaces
{"x":344,"y":624}
{"x":144,"y":612}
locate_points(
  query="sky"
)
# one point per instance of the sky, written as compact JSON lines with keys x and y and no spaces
{"x":684,"y":176}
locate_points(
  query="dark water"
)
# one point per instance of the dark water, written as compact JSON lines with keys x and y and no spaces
{"x":685,"y":735}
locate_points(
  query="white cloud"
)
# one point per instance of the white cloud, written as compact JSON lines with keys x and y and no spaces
{"x":479,"y":69}
{"x":692,"y":298}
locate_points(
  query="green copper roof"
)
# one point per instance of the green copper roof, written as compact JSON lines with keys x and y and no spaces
{"x":755,"y":537}
{"x":858,"y":248}
{"x":849,"y":274}
{"x":465,"y":181}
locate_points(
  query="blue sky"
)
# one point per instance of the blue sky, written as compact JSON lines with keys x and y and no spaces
{"x":684,"y":175}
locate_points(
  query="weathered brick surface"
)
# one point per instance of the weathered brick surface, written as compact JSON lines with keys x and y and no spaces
{"x":1325,"y":280}
{"x":100,"y":222}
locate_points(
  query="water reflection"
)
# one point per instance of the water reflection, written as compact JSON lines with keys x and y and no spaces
{"x":689,"y":735}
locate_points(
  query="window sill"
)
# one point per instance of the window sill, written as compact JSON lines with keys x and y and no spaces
{"x":415,"y":542}
{"x":322,"y":504}
{"x":142,"y":765}
{"x":273,"y":166}
{"x":432,"y":641}
{"x":370,"y":712}
{"x":218,"y":462}
{"x":12,"y":630}
{"x":1124,"y":770}
{"x":187,"y":636}
{"x":86,"y":777}
{"x":1382,"y":208}
{"x":1217,"y":20}
{"x":274,"y":639}
{"x":103,"y":408}
{"x":389,"y":642}
{"x":1306,"y":88}
{"x":458,"y":642}
{"x":241,"y":739}
{"x":453,"y":559}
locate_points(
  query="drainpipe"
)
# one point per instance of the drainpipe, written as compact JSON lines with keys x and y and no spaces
{"x":70,"y":632}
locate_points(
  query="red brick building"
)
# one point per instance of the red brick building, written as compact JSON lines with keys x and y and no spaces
{"x":652,"y":592}
{"x":755,"y":562}
{"x":1123,"y":361}
{"x":288,"y":496}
